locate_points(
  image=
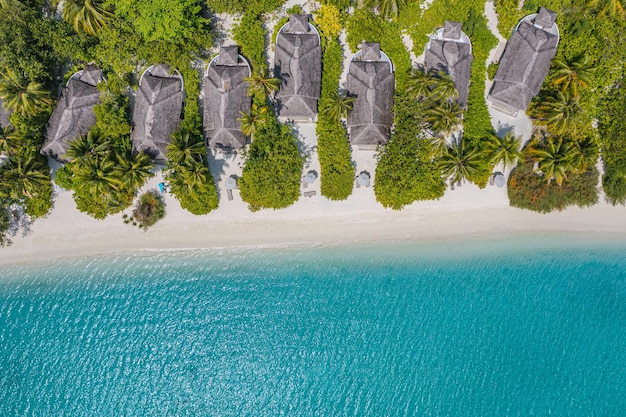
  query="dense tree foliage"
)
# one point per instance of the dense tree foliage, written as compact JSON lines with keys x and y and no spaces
{"x":406,"y":171}
{"x":188,"y":173}
{"x":271,"y":175}
{"x":337,"y":172}
{"x":612,"y":127}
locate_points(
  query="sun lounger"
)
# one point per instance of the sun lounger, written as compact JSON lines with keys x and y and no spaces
{"x":309,"y":193}
{"x":229,"y":193}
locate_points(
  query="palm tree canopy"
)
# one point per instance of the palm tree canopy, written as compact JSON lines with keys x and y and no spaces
{"x":573,"y":75}
{"x":262,"y":86}
{"x":88,"y":146}
{"x":21,"y":177}
{"x":250,"y":123}
{"x":444,"y":88}
{"x":134,"y":170}
{"x":609,"y":7}
{"x":506,"y":149}
{"x":459,"y":162}
{"x":555,"y":159}
{"x":559,"y":112}
{"x":184,"y":148}
{"x":337,"y":106}
{"x":420,"y":84}
{"x":88,"y":16}
{"x":21,"y":96}
{"x":445,"y":117}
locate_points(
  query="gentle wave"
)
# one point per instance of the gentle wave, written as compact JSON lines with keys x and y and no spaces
{"x":492,"y":327}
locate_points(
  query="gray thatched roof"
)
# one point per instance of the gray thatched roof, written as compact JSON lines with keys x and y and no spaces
{"x":157,"y":111}
{"x":525,"y":64}
{"x":452,"y":54}
{"x":73,"y":114}
{"x":452,"y":30}
{"x":225,"y":97}
{"x":371,"y":82}
{"x":298,"y":64}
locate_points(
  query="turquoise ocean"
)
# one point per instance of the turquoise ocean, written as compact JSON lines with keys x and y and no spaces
{"x":523,"y":325}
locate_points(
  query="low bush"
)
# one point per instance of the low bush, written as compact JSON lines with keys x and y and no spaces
{"x":273,"y":167}
{"x":149,"y":209}
{"x":529,"y":190}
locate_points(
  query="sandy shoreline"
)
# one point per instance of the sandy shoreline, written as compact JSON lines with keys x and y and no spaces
{"x":67,"y":233}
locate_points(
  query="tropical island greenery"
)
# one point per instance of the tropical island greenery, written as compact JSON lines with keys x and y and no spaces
{"x":578,"y":115}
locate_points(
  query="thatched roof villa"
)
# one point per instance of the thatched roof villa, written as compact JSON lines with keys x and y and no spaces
{"x":371,"y":82}
{"x":73,"y":114}
{"x":225,"y":98}
{"x":157,"y":110}
{"x":450,"y":50}
{"x":525,"y":62}
{"x":298,"y":65}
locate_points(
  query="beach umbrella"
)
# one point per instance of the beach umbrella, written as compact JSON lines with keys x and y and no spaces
{"x":310,"y":177}
{"x":363,"y":178}
{"x":230,"y":183}
{"x":498,"y":179}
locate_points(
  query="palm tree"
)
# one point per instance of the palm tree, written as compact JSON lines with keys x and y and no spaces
{"x":420,"y":84}
{"x":195,"y":175}
{"x":250,"y":123}
{"x":10,"y":141}
{"x":505,"y":149}
{"x":337,"y":106}
{"x":260,"y":86}
{"x":97,"y":177}
{"x":573,"y":75}
{"x":459,"y":162}
{"x":22,"y":97}
{"x":87,"y":147}
{"x":555,"y":159}
{"x":444,"y":118}
{"x":584,"y":153}
{"x":444,"y":88}
{"x":559,"y":112}
{"x":184,"y":148}
{"x":133,"y":171}
{"x":22,"y":177}
{"x":609,"y":7}
{"x":87,"y":16}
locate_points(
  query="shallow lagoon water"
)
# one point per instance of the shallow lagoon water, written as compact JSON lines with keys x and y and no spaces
{"x":509,"y":326}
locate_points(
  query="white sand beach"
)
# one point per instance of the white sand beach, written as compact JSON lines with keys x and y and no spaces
{"x":464,"y":212}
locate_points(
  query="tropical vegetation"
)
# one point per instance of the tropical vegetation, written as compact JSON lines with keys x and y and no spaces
{"x":150,"y":208}
{"x":337,"y":171}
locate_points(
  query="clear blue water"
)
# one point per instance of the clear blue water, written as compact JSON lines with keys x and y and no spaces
{"x":518,"y":326}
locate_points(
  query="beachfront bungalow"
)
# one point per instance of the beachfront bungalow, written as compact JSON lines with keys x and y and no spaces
{"x":371,"y":82}
{"x":73,"y":114}
{"x":450,"y":50}
{"x":157,"y":111}
{"x":225,"y":98}
{"x":298,"y":65}
{"x":525,"y":62}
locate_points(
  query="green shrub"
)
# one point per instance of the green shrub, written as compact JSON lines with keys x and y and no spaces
{"x":530,"y":191}
{"x":149,"y":209}
{"x":337,"y":172}
{"x":271,"y":175}
{"x":250,"y":36}
{"x":405,"y":171}
{"x":492,"y":69}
